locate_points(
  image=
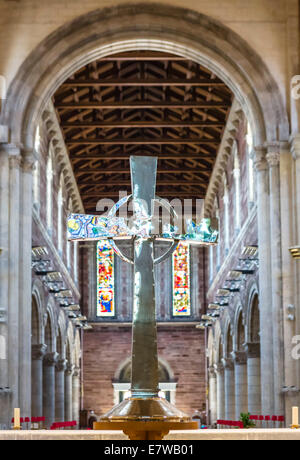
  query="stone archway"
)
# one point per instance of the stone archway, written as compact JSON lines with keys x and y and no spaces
{"x":153,"y":27}
{"x":90,"y":37}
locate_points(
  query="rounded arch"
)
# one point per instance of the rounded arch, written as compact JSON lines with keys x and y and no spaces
{"x":70,"y":349}
{"x":239,"y":330}
{"x":37,"y":302}
{"x":165,"y":371}
{"x":61,"y":336}
{"x":77,"y":349}
{"x":227,"y":339}
{"x":50,"y":339}
{"x":150,"y":26}
{"x":254,"y":320}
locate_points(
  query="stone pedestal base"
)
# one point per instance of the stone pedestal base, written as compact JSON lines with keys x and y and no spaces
{"x":150,"y":431}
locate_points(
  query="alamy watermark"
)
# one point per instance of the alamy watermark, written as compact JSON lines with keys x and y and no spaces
{"x":164,"y":213}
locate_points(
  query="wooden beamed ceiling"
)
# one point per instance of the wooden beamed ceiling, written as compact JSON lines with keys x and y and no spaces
{"x":142,"y":103}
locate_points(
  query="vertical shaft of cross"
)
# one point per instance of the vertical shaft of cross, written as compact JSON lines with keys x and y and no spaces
{"x":144,"y":378}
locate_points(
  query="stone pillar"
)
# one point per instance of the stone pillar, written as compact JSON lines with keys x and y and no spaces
{"x":273,"y":159}
{"x":290,"y":221}
{"x":220,"y":391}
{"x":25,"y":242}
{"x":229,"y":389}
{"x":76,"y":395}
{"x":37,"y":355}
{"x":60,"y":390}
{"x":5,"y":396}
{"x":68,"y":392}
{"x":13,"y":269}
{"x":241,"y":390}
{"x":254,"y":381}
{"x":49,"y":387}
{"x":212,"y":394}
{"x":265,"y":280}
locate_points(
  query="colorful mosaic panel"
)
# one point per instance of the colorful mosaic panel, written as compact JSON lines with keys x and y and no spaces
{"x":105,"y":279}
{"x":181,"y":280}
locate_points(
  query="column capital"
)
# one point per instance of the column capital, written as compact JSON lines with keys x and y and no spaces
{"x":227,"y":363}
{"x":295,"y":146}
{"x":252,"y":349}
{"x":212,"y":372}
{"x":273,"y":159}
{"x":14,"y":161}
{"x":61,"y":365}
{"x":69,"y":369}
{"x":28,"y":162}
{"x":239,"y":357}
{"x":38,"y":351}
{"x":219,"y":368}
{"x":76,"y":371}
{"x":50,"y":359}
{"x":260,"y":161}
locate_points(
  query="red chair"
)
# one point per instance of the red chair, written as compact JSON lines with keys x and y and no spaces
{"x":267,"y":421}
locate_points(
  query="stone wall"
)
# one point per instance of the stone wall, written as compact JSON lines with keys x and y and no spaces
{"x":105,"y":348}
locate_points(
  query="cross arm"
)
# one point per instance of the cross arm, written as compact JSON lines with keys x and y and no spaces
{"x":90,"y":227}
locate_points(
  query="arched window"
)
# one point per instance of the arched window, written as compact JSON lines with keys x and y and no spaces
{"x":181,"y":280}
{"x":237,"y":191}
{"x":249,"y":139}
{"x":60,"y":216}
{"x":166,"y":385}
{"x":105,"y":280}
{"x":49,"y":174}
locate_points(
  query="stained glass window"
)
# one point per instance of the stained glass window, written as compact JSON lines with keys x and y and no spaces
{"x":181,"y":280}
{"x":105,"y":279}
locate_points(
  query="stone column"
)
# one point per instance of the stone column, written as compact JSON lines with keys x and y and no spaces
{"x":60,"y":368}
{"x":241,"y":390}
{"x":212,"y":394}
{"x":76,"y":395}
{"x":220,"y":391}
{"x":273,"y":159}
{"x":5,"y":412}
{"x":68,"y":392}
{"x":229,"y":389}
{"x":290,"y":212}
{"x":49,"y":387}
{"x":25,"y":280}
{"x":37,"y":355}
{"x":254,"y":381}
{"x":265,"y":280}
{"x":13,"y":270}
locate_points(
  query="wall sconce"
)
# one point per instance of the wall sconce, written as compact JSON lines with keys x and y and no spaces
{"x":250,"y":251}
{"x":39,"y":251}
{"x":223,"y":293}
{"x":295,"y":251}
{"x":64,"y":294}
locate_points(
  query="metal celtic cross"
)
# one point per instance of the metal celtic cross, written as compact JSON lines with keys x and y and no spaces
{"x":144,"y":379}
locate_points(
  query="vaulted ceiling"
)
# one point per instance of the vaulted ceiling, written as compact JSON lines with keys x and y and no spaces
{"x":142,"y":103}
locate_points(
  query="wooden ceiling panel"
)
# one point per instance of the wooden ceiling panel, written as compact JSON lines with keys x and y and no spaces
{"x":142,"y":103}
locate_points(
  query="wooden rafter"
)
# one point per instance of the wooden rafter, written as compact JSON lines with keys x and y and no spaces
{"x":142,"y":103}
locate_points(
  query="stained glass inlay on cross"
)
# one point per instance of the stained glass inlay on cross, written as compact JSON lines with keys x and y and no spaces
{"x":181,"y":280}
{"x":105,"y":280}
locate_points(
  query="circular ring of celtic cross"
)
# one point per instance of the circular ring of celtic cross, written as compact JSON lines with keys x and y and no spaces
{"x":173,"y":216}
